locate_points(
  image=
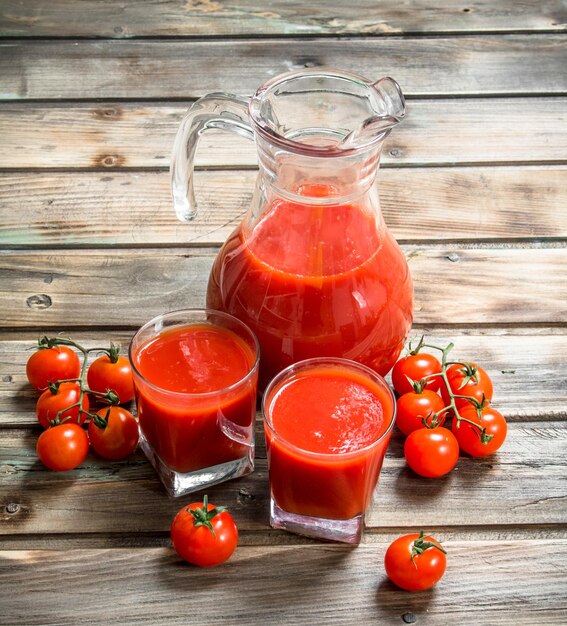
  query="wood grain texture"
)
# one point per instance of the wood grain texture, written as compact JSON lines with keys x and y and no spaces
{"x":503,"y":64}
{"x":135,"y":208}
{"x":282,"y":585}
{"x":473,"y":184}
{"x":524,"y":483}
{"x":511,"y":357}
{"x":115,"y":135}
{"x":491,"y":285}
{"x":162,"y":18}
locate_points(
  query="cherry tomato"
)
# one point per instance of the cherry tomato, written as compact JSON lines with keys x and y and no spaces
{"x":52,"y":364}
{"x":119,"y":438}
{"x":468,"y":436}
{"x":416,"y":366}
{"x":422,"y":571}
{"x":412,"y":407}
{"x":63,"y":447}
{"x":104,"y":374}
{"x":193,"y":537}
{"x":468,"y":379}
{"x":431,"y":452}
{"x":49,"y":404}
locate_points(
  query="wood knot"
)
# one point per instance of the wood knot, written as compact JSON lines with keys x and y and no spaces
{"x":244,"y":495}
{"x":12,"y":508}
{"x":109,"y":160}
{"x":39,"y":301}
{"x":302,"y":63}
{"x":108,"y":113}
{"x":409,"y":618}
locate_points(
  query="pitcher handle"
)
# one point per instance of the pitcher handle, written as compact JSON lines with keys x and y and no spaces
{"x":218,"y":111}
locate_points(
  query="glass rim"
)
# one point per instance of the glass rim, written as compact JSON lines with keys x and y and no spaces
{"x":295,"y":146}
{"x":320,"y":361}
{"x":202,"y":394}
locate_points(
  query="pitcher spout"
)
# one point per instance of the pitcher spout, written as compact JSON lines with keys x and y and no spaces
{"x":389,"y":105}
{"x":390,"y":99}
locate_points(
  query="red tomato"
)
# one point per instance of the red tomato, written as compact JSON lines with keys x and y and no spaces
{"x":52,"y":364}
{"x":119,"y":438}
{"x":103,"y":375}
{"x":204,"y":535}
{"x":63,"y":447}
{"x":469,"y":437}
{"x":467,"y":380}
{"x":412,"y":407}
{"x":431,"y":452}
{"x":49,"y":404}
{"x":416,"y":366}
{"x":415,"y":562}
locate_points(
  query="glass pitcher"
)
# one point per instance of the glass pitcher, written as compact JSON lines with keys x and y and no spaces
{"x":312,"y":268}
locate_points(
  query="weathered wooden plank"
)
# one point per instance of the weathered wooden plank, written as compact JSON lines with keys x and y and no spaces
{"x":303,"y":584}
{"x":134,"y":208}
{"x":511,"y":357}
{"x":524,"y":483}
{"x":162,"y":18}
{"x":271,"y":537}
{"x":503,"y":64}
{"x":454,"y":284}
{"x":109,"y":136}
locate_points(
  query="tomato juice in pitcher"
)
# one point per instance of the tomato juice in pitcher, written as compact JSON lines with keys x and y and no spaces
{"x":312,"y":268}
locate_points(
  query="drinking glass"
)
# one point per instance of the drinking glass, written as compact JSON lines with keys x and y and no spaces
{"x":325,"y":494}
{"x":195,"y":439}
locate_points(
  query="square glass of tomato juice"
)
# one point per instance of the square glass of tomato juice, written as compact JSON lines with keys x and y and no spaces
{"x":327,"y":423}
{"x":195,"y":374}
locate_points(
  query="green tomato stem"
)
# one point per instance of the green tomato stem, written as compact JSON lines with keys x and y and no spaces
{"x":202,"y":516}
{"x":420,"y":546}
{"x":57,"y":419}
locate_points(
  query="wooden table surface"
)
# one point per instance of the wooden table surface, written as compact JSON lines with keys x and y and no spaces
{"x":474,"y":187}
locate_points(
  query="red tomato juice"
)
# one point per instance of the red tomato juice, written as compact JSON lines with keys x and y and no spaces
{"x":327,"y":432}
{"x":192,"y":409}
{"x":316,"y":281}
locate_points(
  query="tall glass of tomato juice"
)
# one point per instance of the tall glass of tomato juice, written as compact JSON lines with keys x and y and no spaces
{"x":327,"y":423}
{"x":195,"y":374}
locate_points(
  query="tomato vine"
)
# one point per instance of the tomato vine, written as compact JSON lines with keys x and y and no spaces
{"x":470,"y":372}
{"x":109,"y":396}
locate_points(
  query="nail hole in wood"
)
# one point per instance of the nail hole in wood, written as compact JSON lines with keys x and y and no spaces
{"x":12,"y":508}
{"x":409,"y":618}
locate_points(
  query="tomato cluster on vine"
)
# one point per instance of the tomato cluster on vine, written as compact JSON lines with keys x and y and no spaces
{"x":430,"y":392}
{"x":64,"y":406}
